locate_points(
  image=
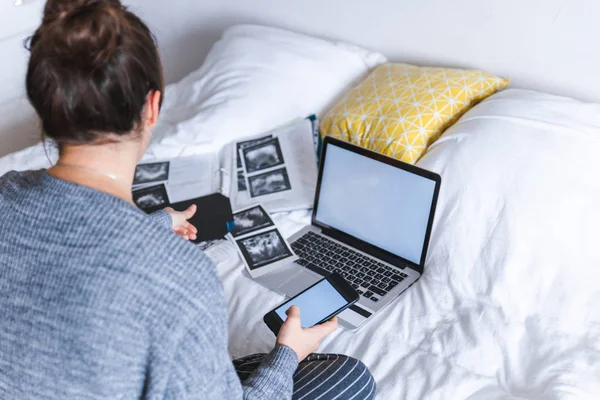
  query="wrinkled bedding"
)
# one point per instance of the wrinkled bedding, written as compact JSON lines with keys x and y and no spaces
{"x":509,"y":305}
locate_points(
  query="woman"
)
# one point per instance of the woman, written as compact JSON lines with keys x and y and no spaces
{"x":99,"y":300}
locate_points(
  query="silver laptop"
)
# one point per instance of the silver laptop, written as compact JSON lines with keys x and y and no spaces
{"x":371,"y":222}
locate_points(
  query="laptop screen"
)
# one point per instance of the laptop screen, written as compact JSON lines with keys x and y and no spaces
{"x":380,"y":204}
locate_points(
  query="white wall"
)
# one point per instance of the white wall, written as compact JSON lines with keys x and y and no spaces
{"x":18,"y":126}
{"x":548,"y":45}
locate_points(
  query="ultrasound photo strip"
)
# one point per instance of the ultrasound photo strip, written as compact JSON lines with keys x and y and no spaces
{"x":151,"y":172}
{"x":249,"y":143}
{"x":262,"y":156}
{"x":269,"y":183}
{"x":249,"y":220}
{"x":150,"y":199}
{"x":263,"y":249}
{"x":241,"y":181}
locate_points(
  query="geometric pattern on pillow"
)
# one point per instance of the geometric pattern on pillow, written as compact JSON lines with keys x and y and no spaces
{"x":400,"y":109}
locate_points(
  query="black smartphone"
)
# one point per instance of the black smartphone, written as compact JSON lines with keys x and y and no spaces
{"x":319,"y":303}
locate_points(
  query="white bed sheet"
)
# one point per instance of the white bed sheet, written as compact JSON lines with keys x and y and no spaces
{"x":509,"y":305}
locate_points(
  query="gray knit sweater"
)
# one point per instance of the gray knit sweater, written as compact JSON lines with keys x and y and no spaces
{"x":100,"y":301}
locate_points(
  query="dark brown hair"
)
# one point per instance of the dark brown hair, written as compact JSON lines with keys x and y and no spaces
{"x":92,"y":65}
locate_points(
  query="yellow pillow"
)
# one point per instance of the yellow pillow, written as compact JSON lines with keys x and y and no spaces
{"x":400,"y":109}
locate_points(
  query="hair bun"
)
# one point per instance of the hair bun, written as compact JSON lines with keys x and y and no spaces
{"x":56,"y":9}
{"x":84,"y":31}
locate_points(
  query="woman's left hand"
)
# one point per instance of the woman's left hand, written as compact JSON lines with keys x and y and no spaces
{"x":181,"y":226}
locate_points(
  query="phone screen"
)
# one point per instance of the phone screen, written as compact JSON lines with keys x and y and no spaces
{"x":315,"y":304}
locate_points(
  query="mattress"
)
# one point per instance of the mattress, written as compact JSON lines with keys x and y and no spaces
{"x":509,"y":304}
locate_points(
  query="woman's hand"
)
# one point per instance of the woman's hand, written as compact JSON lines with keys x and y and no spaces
{"x":181,"y":226}
{"x":303,"y":340}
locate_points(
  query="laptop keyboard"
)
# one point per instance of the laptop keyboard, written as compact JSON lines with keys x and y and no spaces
{"x":371,"y":278}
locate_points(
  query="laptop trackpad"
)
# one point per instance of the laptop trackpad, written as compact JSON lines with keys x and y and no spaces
{"x":300,"y":281}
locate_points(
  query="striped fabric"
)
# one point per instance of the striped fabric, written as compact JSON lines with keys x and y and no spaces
{"x":321,"y":377}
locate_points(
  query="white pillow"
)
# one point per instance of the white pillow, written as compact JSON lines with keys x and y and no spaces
{"x":254,"y":79}
{"x":518,"y":218}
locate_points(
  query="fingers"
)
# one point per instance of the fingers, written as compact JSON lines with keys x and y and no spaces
{"x":326,"y":327}
{"x":187,"y":234}
{"x":189,"y":213}
{"x":180,"y":224}
{"x":293,"y":312}
{"x":182,"y":233}
{"x":189,"y":227}
{"x":191,"y":230}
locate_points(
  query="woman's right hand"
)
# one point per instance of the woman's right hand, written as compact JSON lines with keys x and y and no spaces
{"x":303,"y":340}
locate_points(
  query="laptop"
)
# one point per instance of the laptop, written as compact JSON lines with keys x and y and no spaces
{"x":371,"y":223}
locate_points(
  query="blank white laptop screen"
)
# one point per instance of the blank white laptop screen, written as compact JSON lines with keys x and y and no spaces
{"x":382,"y":205}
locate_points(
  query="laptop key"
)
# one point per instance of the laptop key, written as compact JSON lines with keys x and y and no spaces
{"x":375,"y":299}
{"x":317,"y":269}
{"x":368,"y":294}
{"x":377,"y":290}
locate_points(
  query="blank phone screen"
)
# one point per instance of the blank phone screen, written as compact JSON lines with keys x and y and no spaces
{"x":315,"y":304}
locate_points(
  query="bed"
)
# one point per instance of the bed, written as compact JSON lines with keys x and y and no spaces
{"x":509,"y":304}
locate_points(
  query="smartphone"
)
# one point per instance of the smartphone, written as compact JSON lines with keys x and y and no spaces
{"x":319,"y":303}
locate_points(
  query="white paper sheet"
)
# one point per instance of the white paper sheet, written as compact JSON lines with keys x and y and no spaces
{"x":299,"y":162}
{"x":190,"y":177}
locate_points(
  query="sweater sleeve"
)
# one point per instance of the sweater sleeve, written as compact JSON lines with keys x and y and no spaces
{"x":200,"y":365}
{"x":199,"y":372}
{"x":273,"y":379}
{"x":162,"y":218}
